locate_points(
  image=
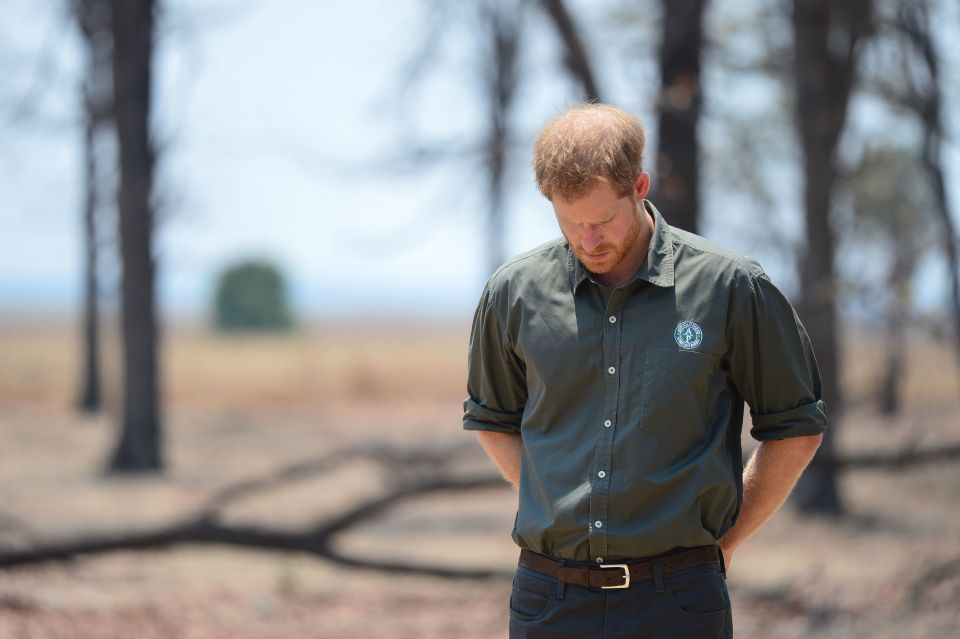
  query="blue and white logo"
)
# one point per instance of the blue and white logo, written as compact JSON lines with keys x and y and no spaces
{"x":688,"y":335}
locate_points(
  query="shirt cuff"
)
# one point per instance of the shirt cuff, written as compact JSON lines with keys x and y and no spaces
{"x":806,"y":419}
{"x":479,"y":417}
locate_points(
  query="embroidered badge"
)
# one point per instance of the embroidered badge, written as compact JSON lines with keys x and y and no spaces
{"x":688,"y":335}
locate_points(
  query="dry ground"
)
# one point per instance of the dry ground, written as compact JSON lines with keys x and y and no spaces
{"x":239,"y":407}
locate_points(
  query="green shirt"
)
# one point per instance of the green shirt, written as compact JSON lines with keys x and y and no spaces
{"x":630,"y":400}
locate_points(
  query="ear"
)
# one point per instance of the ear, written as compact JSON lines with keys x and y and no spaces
{"x":642,"y":185}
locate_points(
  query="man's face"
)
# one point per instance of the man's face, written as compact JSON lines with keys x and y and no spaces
{"x":604,"y":229}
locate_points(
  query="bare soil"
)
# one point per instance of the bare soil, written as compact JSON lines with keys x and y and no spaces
{"x":237,"y":408}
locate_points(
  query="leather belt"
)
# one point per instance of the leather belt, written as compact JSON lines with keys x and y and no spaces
{"x":620,"y":575}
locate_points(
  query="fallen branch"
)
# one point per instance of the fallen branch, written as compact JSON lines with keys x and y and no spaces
{"x":318,"y":540}
{"x":900,"y":459}
{"x":931,"y":578}
{"x":11,"y":525}
{"x":390,"y":458}
{"x":906,"y":457}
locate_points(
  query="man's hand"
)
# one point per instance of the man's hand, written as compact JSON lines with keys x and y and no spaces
{"x":768,"y":479}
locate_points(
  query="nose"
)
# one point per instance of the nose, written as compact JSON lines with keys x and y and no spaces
{"x":591,"y":239}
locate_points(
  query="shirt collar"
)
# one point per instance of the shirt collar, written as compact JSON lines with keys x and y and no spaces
{"x":656,"y":269}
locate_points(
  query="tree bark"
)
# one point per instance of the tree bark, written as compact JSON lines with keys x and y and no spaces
{"x":139,"y":446}
{"x":89,"y":397}
{"x":575,"y":56}
{"x":826,"y":34}
{"x":678,"y":155}
{"x":902,"y":270}
{"x":93,"y":19}
{"x":504,"y":32}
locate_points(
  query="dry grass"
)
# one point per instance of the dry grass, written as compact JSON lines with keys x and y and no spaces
{"x":347,"y":361}
{"x":360,"y":361}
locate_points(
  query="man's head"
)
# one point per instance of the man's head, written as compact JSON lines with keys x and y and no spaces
{"x":587,"y":144}
{"x":588,"y":163}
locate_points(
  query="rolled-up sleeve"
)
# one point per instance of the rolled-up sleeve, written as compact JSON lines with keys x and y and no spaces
{"x":496,"y":378}
{"x":771,"y":363}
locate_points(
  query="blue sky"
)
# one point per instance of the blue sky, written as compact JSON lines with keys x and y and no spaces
{"x":281,"y":127}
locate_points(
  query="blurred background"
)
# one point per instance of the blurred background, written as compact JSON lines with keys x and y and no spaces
{"x":242,"y":242}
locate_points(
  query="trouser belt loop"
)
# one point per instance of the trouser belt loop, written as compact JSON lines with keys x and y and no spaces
{"x":561,"y":584}
{"x":723,"y":563}
{"x":658,"y":575}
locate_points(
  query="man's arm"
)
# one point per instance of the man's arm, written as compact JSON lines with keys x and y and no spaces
{"x":768,"y":479}
{"x":771,"y":362}
{"x":504,"y":449}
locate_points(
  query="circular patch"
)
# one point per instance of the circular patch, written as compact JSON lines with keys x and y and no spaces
{"x":688,"y":335}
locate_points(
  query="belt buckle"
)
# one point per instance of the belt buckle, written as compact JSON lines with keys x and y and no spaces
{"x":626,"y":576}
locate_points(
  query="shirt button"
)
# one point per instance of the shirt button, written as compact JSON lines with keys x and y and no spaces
{"x":599,"y":560}
{"x":608,"y":423}
{"x":598,"y":523}
{"x":611,"y":370}
{"x":613,"y":319}
{"x":601,"y":474}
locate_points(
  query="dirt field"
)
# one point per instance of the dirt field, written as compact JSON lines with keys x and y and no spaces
{"x":241,"y":407}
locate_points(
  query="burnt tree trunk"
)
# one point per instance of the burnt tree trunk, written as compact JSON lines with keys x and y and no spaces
{"x":826,"y":34}
{"x":898,"y":313}
{"x":88,"y":400}
{"x":678,"y":155}
{"x":504,"y":32}
{"x":575,"y":55}
{"x":914,"y":20}
{"x":139,"y":445}
{"x":93,"y":19}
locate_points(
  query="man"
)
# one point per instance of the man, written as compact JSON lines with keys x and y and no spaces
{"x":607,"y":375}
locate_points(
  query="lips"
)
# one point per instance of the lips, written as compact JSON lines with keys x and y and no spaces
{"x":596,"y":257}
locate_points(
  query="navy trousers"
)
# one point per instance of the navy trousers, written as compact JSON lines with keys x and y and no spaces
{"x":692,"y":603}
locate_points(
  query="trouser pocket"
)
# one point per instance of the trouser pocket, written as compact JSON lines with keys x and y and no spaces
{"x":532,"y":594}
{"x":700,"y":600}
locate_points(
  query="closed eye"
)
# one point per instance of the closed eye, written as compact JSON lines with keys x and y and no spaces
{"x":605,"y":222}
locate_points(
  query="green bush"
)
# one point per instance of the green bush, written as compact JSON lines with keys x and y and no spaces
{"x":252,"y":296}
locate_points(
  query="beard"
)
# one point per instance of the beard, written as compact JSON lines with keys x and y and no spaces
{"x":617,"y":253}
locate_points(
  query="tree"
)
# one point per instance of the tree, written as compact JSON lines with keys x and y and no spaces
{"x":679,"y":103}
{"x":139,"y":445}
{"x":502,"y":22}
{"x":891,"y":201}
{"x":93,"y":19}
{"x":252,"y":295}
{"x":826,"y":39}
{"x":576,"y":57}
{"x":924,"y":97}
{"x":496,"y":29}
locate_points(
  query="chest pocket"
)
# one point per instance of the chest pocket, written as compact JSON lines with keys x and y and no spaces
{"x":674,"y":394}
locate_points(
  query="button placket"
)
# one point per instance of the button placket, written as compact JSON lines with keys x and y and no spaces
{"x":599,"y":495}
